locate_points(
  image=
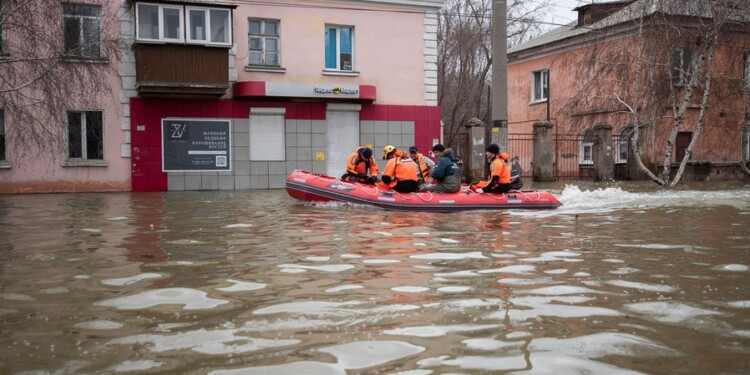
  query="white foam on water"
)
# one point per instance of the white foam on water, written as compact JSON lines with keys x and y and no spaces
{"x":302,"y":367}
{"x":521,"y":282}
{"x":602,"y":344}
{"x":307,"y":307}
{"x":557,"y":364}
{"x":324,"y":268}
{"x":16,"y":297}
{"x":543,"y":306}
{"x":669,"y":311}
{"x":191,"y":299}
{"x":465,"y":273}
{"x":91,"y":230}
{"x":412,"y":372}
{"x":420,"y":244}
{"x":363,"y":354}
{"x":518,"y":334}
{"x":132,"y":279}
{"x":238,"y":225}
{"x":521,"y":269}
{"x":381,"y":261}
{"x":293,"y":270}
{"x":99,"y":325}
{"x":454,"y":289}
{"x":559,"y":290}
{"x":318,"y":259}
{"x":351,"y":256}
{"x":478,"y":362}
{"x":643,"y":286}
{"x":624,"y":270}
{"x":612,"y":260}
{"x":450,"y":256}
{"x":490,"y":344}
{"x":496,"y":255}
{"x":739,"y":304}
{"x":220,"y":341}
{"x":82,"y":277}
{"x":437,"y":331}
{"x":448,"y":240}
{"x":558,"y":271}
{"x":118,"y":218}
{"x":410,"y":289}
{"x":581,"y":274}
{"x":732,"y":268}
{"x":343,"y":287}
{"x":421,"y":233}
{"x":654,"y":246}
{"x":56,"y":290}
{"x":742,"y":333}
{"x":387,"y":234}
{"x":242,"y":286}
{"x":128,"y":366}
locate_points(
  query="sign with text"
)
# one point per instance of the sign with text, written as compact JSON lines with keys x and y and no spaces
{"x":196,"y":145}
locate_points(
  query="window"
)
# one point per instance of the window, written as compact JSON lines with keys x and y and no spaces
{"x":622,"y":145}
{"x":586,"y":153}
{"x":745,"y":69}
{"x":539,"y":85}
{"x":209,"y":26}
{"x":681,"y":144}
{"x":81,"y":30}
{"x":267,"y":134}
{"x":263,"y":42}
{"x":339,"y":48}
{"x":682,"y":66}
{"x":85,"y":135}
{"x":3,"y":157}
{"x":157,"y":22}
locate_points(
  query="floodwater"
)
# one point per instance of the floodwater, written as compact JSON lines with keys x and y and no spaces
{"x":624,"y":279}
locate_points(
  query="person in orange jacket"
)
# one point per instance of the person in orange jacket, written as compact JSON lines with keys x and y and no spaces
{"x":361,"y":167}
{"x":425,"y":164}
{"x":400,"y":173}
{"x":499,"y":179}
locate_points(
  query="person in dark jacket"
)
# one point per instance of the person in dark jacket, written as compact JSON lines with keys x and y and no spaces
{"x":446,"y":173}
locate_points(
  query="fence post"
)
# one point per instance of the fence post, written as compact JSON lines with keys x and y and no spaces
{"x":475,"y":168}
{"x":604,"y":164}
{"x":543,"y":167}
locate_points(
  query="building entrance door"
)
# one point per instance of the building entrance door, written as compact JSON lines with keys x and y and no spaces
{"x":342,"y":136}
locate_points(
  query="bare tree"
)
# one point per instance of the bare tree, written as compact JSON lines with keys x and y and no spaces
{"x":465,"y":55}
{"x":664,"y":77}
{"x":54,"y":57}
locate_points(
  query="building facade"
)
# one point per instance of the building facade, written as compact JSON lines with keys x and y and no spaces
{"x":584,"y":75}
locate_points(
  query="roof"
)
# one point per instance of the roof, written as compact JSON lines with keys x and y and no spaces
{"x":628,"y":13}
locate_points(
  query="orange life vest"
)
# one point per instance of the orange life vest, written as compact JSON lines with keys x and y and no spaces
{"x":499,"y":172}
{"x":356,"y":165}
{"x":400,"y":169}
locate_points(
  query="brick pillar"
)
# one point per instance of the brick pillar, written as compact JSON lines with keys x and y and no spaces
{"x":604,"y":164}
{"x":543,"y":169}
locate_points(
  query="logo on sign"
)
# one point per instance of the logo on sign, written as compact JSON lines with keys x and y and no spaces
{"x":177,"y":130}
{"x":335,"y":90}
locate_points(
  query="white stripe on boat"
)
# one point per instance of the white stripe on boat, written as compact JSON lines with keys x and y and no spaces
{"x":451,"y":202}
{"x":387,"y":199}
{"x":299,"y":180}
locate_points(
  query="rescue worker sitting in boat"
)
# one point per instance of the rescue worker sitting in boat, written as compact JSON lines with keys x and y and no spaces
{"x":499,"y":179}
{"x":361,"y":167}
{"x":400,"y":173}
{"x":424,"y":164}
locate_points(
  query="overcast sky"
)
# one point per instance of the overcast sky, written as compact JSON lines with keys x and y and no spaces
{"x":561,"y":11}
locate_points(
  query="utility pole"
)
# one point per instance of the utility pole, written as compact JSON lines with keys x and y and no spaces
{"x":499,"y":130}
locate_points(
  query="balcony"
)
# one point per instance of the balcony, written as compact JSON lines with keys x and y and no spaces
{"x":177,"y":70}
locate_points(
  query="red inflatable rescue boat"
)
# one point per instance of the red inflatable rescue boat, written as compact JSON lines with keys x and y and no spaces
{"x":313,"y":187}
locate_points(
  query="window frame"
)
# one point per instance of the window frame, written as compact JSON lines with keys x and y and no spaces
{"x":207,"y":24}
{"x":587,"y":142}
{"x":263,"y":37}
{"x":83,"y":53}
{"x":3,"y":139}
{"x":84,"y":137}
{"x":682,"y":70}
{"x":160,"y":9}
{"x":544,"y":76}
{"x":623,"y":147}
{"x":745,"y":70}
{"x":338,"y":53}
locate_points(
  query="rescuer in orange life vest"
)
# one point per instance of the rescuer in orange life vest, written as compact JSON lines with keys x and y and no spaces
{"x":499,"y":179}
{"x":361,"y":167}
{"x":425,"y":164}
{"x":400,"y":173}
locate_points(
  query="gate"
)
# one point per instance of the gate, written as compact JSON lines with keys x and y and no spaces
{"x":521,"y":146}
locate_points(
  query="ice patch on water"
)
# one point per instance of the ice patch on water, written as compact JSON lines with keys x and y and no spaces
{"x":494,"y":364}
{"x":522,"y":282}
{"x":91,"y":230}
{"x":624,"y":271}
{"x":242,"y":286}
{"x":99,"y":325}
{"x":543,"y":306}
{"x":293,"y":270}
{"x":318,"y":259}
{"x":238,"y":225}
{"x":118,"y":218}
{"x":560,"y":290}
{"x":454,"y":289}
{"x":303,"y":367}
{"x":221,"y":341}
{"x":16,"y":297}
{"x":643,"y":286}
{"x":57,"y":290}
{"x":739,"y":304}
{"x":81,"y":277}
{"x":581,"y":274}
{"x":742,"y":333}
{"x":450,"y":256}
{"x":387,"y":234}
{"x":558,"y":271}
{"x":191,"y":299}
{"x":602,"y":344}
{"x":448,"y":240}
{"x":381,"y":261}
{"x":307,"y":308}
{"x":668,"y":311}
{"x":351,"y":256}
{"x":342,"y":288}
{"x":465,"y":273}
{"x":131,"y":280}
{"x":437,"y":331}
{"x":613,"y":260}
{"x":655,"y":246}
{"x":490,"y":344}
{"x":420,"y":244}
{"x":141,"y":365}
{"x":732,"y":268}
{"x":517,"y":269}
{"x":410,"y":289}
{"x":324,"y":268}
{"x":363,"y":354}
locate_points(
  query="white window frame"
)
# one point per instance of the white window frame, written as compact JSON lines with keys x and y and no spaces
{"x":587,"y":142}
{"x":82,"y":40}
{"x":161,"y":37}
{"x":263,"y":38}
{"x":275,"y":137}
{"x":622,"y":146}
{"x":338,"y":67}
{"x":207,"y":24}
{"x":535,"y":77}
{"x":84,"y":146}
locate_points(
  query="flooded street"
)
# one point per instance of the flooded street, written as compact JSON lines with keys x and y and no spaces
{"x":624,"y":280}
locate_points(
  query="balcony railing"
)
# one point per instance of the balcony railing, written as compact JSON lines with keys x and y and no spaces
{"x":181,"y":70}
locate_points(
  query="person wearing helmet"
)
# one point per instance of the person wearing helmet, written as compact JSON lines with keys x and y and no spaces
{"x":400,"y":173}
{"x":361,"y":167}
{"x":499,"y":179}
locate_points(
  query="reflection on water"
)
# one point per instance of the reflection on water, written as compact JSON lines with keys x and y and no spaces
{"x":619,"y":280}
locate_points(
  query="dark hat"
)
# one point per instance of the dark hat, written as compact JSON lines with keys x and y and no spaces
{"x":413,"y":149}
{"x":438,"y":148}
{"x":493,"y":148}
{"x":366,"y":152}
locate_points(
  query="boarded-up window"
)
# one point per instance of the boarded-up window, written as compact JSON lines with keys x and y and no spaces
{"x":681,"y":144}
{"x":267,"y":134}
